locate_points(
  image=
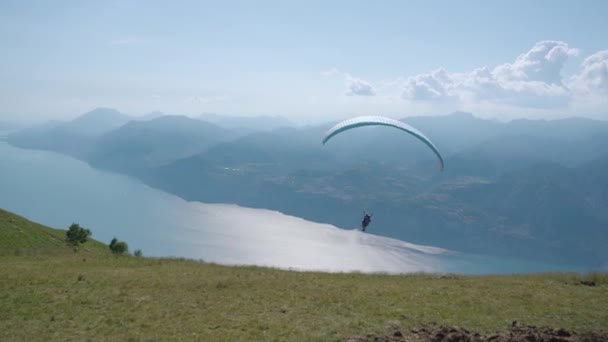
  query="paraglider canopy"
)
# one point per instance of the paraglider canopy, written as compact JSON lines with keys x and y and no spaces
{"x":361,"y":121}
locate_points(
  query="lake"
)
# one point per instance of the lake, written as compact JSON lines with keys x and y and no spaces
{"x":57,"y":190}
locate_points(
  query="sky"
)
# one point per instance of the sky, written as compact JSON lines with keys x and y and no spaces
{"x":309,"y":61}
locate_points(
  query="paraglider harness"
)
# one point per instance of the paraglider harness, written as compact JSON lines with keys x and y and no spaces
{"x":367,"y":219}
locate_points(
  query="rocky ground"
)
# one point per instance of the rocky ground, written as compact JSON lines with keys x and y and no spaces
{"x":514,"y":333}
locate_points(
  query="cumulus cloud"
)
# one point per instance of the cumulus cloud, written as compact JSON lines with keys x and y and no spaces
{"x":330,"y":72}
{"x":590,"y":86}
{"x":354,"y":86}
{"x":594,"y":74}
{"x":437,"y":85}
{"x":531,"y":84}
{"x":358,"y":87}
{"x":533,"y":79}
{"x":543,"y":64}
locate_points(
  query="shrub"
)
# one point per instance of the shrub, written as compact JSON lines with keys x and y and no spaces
{"x":138,"y":253}
{"x":77,"y":234}
{"x":118,"y":247}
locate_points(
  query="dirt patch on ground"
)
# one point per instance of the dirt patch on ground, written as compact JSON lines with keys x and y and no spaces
{"x":514,"y":333}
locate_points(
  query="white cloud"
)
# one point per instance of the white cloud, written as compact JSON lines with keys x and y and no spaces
{"x":593,"y":77}
{"x":330,"y":72}
{"x":543,"y":63}
{"x":358,"y":87}
{"x":437,"y":85}
{"x":590,"y":86}
{"x":355,"y":86}
{"x":533,"y":80}
{"x":532,"y":84}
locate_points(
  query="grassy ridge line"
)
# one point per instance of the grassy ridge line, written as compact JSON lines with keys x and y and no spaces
{"x":120,"y":298}
{"x":21,"y":236}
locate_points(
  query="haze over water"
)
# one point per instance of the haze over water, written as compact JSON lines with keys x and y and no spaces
{"x":57,"y":190}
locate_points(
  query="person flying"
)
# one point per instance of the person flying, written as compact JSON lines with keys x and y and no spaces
{"x":367,"y":219}
{"x":371,"y":120}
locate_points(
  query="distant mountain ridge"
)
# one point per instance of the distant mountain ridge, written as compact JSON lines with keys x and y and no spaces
{"x":251,"y":123}
{"x":531,"y":188}
{"x":140,"y":144}
{"x":75,"y":137}
{"x":97,"y":122}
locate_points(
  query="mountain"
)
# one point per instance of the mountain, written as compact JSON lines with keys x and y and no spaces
{"x":150,"y":116}
{"x":510,"y":152}
{"x":539,"y":212}
{"x":97,"y":122}
{"x":76,"y":137}
{"x":529,"y":188}
{"x":510,"y":194}
{"x":471,"y":147}
{"x":10,"y":126}
{"x":458,"y":131}
{"x":249,"y":123}
{"x":593,"y":185}
{"x":543,"y":205}
{"x":284,"y":148}
{"x":568,"y":128}
{"x":141,"y":144}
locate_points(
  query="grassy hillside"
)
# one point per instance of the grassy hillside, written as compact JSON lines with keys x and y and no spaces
{"x":82,"y":296}
{"x":21,"y":236}
{"x":128,"y":298}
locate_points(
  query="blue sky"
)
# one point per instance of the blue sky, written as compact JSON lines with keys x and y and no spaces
{"x":306,"y":60}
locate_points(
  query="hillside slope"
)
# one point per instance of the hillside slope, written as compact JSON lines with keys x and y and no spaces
{"x":128,"y":298}
{"x":63,"y":296}
{"x":21,"y":236}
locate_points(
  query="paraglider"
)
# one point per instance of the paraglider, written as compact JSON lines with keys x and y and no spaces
{"x":367,"y":219}
{"x":361,"y":121}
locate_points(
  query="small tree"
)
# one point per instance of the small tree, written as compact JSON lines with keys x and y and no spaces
{"x":118,"y":247}
{"x":138,"y":253}
{"x":77,"y":234}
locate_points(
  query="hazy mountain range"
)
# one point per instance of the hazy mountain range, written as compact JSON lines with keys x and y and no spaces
{"x":534,"y":189}
{"x":256,"y":123}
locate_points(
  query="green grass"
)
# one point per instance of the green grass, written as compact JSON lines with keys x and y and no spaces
{"x":21,"y":236}
{"x":80,"y":296}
